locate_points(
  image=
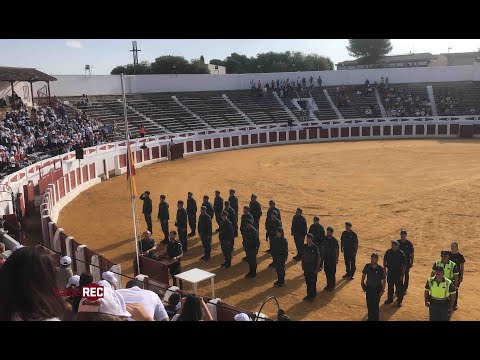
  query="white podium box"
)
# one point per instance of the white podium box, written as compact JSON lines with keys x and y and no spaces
{"x":195,"y":276}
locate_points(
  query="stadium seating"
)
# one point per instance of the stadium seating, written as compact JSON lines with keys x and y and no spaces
{"x":325,"y":111}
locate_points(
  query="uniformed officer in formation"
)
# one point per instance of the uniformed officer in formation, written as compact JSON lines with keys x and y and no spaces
{"x":163,"y":216}
{"x":209,"y":206}
{"x":181,"y":224}
{"x":459,"y":260}
{"x":218,"y":208}
{"x":394,"y":262}
{"x":311,"y":265}
{"x":318,"y":233}
{"x":251,"y":243}
{"x":205,"y":232}
{"x":330,"y":254}
{"x":174,"y":252}
{"x":255,"y":210}
{"x":243,"y":225}
{"x":271,"y":226}
{"x":349,"y":247}
{"x":147,"y":209}
{"x":450,"y":268}
{"x":407,"y":247}
{"x":299,"y":230}
{"x":226,"y":239}
{"x":272,"y":208}
{"x":279,"y":251}
{"x":439,"y":296}
{"x":192,"y":214}
{"x":233,"y":202}
{"x":232,"y":217}
{"x":374,"y":287}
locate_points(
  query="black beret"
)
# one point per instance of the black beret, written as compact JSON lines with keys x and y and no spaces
{"x":299,"y":209}
{"x":203,"y":208}
{"x":348,"y":224}
{"x":232,"y":190}
{"x":445,"y":252}
{"x":162,"y":197}
{"x":403,"y":231}
{"x":180,"y":201}
{"x":147,"y":192}
{"x":375,"y":255}
{"x":316,"y":218}
{"x":206,"y":197}
{"x":217,"y":192}
{"x":395,"y":242}
{"x":189,"y":193}
{"x":250,"y":221}
{"x":280,"y":229}
{"x":330,"y":229}
{"x":227,"y":203}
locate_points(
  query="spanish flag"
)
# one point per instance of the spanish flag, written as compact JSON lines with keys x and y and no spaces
{"x":131,"y":167}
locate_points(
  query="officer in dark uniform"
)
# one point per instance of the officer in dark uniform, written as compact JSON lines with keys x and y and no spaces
{"x":394,"y":262}
{"x":330,"y":258}
{"x":311,"y":265}
{"x":271,"y":208}
{"x":349,"y":247}
{"x":271,"y":227}
{"x":255,"y":210}
{"x":233,"y":202}
{"x":243,"y":225}
{"x":147,"y":209}
{"x":407,"y":247}
{"x":209,"y":206}
{"x":299,"y":230}
{"x":181,"y":224}
{"x":279,"y":247}
{"x":318,"y":233}
{"x":218,"y":208}
{"x":374,"y":287}
{"x":232,"y":217}
{"x":251,"y":243}
{"x":192,"y":213}
{"x":226,"y":239}
{"x":205,"y":232}
{"x":163,"y":217}
{"x":174,"y":252}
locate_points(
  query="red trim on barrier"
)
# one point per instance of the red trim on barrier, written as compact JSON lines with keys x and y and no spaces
{"x":292,"y":135}
{"x":442,"y":129}
{"x":409,"y":129}
{"x":146,"y":154}
{"x":263,"y":138}
{"x":164,"y":151}
{"x":397,"y":130}
{"x":138,"y":157}
{"x":302,"y":134}
{"x":282,"y":136}
{"x":313,"y":133}
{"x":387,"y":130}
{"x":355,"y":131}
{"x":61,"y":186}
{"x":92,"y":171}
{"x":365,"y":131}
{"x":254,"y":138}
{"x":344,"y":132}
{"x":244,"y":139}
{"x":73,"y":183}
{"x":376,"y":130}
{"x":85,"y":173}
{"x":79,"y":178}
{"x":122,"y":160}
{"x":334,"y":132}
{"x":430,"y":129}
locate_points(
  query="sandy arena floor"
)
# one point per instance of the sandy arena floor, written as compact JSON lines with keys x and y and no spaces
{"x":431,"y":187}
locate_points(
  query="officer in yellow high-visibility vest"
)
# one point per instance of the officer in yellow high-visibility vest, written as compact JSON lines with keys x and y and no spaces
{"x":449,"y":267}
{"x":439,"y":296}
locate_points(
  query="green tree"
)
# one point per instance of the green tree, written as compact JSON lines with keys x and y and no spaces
{"x":369,"y":51}
{"x":142,"y":68}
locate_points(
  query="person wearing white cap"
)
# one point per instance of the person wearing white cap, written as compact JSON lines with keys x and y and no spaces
{"x":109,"y":308}
{"x":110,"y":277}
{"x":242,"y":317}
{"x":134,"y":293}
{"x":74,"y":281}
{"x":64,"y":272}
{"x":104,"y":283}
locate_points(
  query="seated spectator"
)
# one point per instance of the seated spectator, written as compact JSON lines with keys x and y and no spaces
{"x":110,"y":278}
{"x":368,"y":112}
{"x":27,"y":280}
{"x":64,"y":272}
{"x":193,"y":309}
{"x":147,"y":243}
{"x":174,"y":305}
{"x":109,"y":308}
{"x":135,"y":293}
{"x":242,"y":317}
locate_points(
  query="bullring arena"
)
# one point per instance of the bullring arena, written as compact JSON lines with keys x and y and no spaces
{"x":381,"y":174}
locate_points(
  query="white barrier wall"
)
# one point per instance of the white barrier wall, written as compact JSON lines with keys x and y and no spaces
{"x":76,"y":85}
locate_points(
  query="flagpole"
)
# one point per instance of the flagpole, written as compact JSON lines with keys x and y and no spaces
{"x":129,"y":169}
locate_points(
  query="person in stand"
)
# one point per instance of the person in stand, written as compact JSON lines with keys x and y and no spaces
{"x":349,"y":246}
{"x":192,"y":214}
{"x":271,"y":227}
{"x":330,"y":258}
{"x":181,"y":224}
{"x":279,"y":251}
{"x":251,"y":243}
{"x":272,"y":208}
{"x":226,"y":239}
{"x":311,"y":265}
{"x":205,"y":232}
{"x":208,"y":206}
{"x":255,"y":210}
{"x":243,"y":225}
{"x":394,"y":263}
{"x":147,"y":209}
{"x":232,"y":217}
{"x":407,"y":247}
{"x":459,"y":260}
{"x":374,"y":287}
{"x":234,"y":203}
{"x":318,"y":233}
{"x":299,"y":230}
{"x":146,"y":244}
{"x":218,"y":208}
{"x":175,"y":253}
{"x":439,"y":296}
{"x":142,"y":131}
{"x":163,"y":217}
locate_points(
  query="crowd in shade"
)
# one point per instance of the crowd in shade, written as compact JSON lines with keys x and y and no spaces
{"x":286,"y":87}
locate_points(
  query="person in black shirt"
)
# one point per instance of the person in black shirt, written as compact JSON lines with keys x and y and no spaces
{"x":147,"y":243}
{"x":272,"y":208}
{"x":205,"y":232}
{"x":407,"y":247}
{"x":173,"y":305}
{"x":163,"y":217}
{"x":299,"y":230}
{"x":243,"y":225}
{"x":218,"y":208}
{"x":374,"y":287}
{"x":234,"y":203}
{"x":209,"y":206}
{"x":394,"y":262}
{"x":251,"y":243}
{"x":174,"y":252}
{"x":255,"y":210}
{"x":147,"y":209}
{"x":271,"y":226}
{"x":459,"y":260}
{"x":232,"y":217}
{"x":192,"y":214}
{"x":349,"y":246}
{"x":279,"y":247}
{"x":330,"y":258}
{"x":226,"y":239}
{"x":318,"y":233}
{"x":181,"y":225}
{"x":311,"y":265}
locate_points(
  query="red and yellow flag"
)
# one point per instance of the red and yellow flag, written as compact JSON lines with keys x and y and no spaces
{"x":131,"y":165}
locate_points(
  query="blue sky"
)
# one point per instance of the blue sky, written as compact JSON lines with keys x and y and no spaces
{"x":69,"y":56}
